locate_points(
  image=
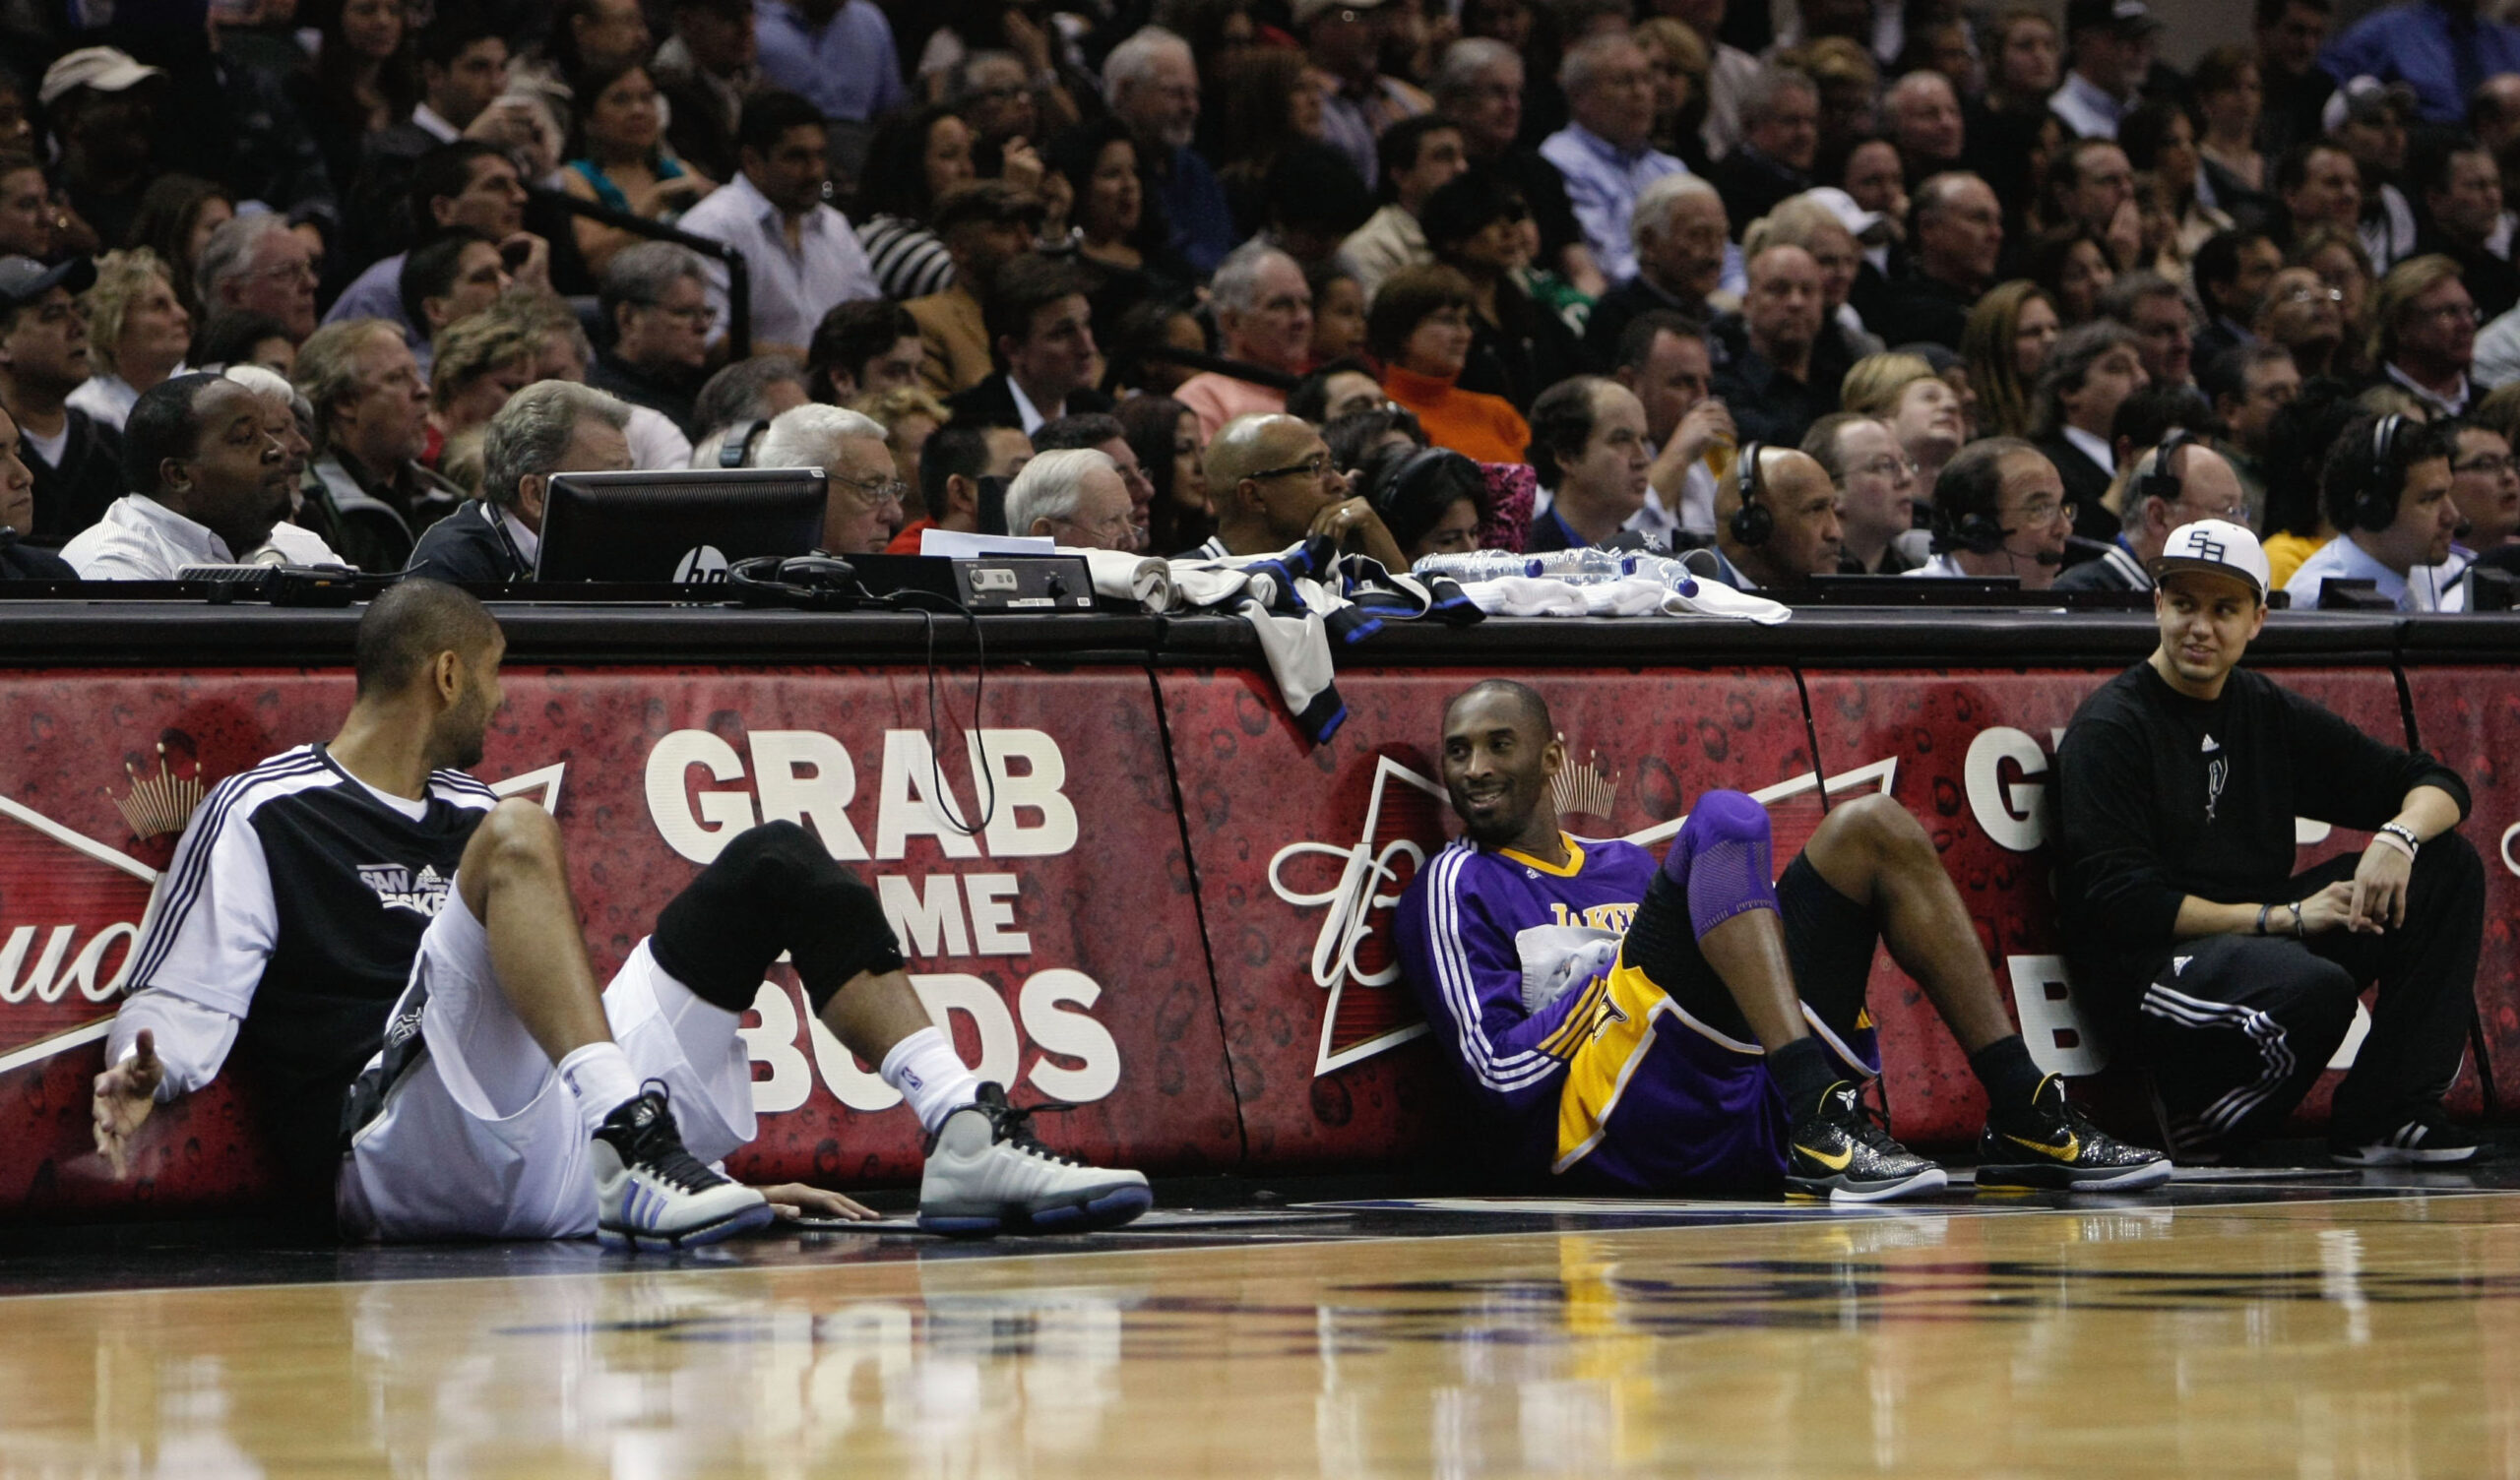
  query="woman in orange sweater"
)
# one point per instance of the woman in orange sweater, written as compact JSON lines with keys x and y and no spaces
{"x":1420,"y":329}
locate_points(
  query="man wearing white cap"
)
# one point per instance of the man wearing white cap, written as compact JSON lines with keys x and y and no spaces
{"x":104,"y":119}
{"x":2228,"y":975}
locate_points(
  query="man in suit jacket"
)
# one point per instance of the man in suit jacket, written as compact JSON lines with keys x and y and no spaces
{"x":552,"y":426}
{"x":1040,"y":329}
{"x":2090,"y":373}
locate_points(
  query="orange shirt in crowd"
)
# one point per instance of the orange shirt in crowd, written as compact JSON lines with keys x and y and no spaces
{"x":1481,"y":427}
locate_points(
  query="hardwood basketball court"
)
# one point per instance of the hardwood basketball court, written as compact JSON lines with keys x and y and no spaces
{"x":2245,"y":1323}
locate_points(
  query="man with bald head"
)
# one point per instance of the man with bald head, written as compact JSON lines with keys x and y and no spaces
{"x":1957,"y":229}
{"x":1273,"y":485}
{"x":1767,"y":368}
{"x":213,"y":476}
{"x":1775,"y":520}
{"x":1926,"y":123}
{"x":1999,"y":508}
{"x":2177,"y":483}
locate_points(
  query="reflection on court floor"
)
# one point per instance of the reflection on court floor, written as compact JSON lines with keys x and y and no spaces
{"x":2327,"y":1336}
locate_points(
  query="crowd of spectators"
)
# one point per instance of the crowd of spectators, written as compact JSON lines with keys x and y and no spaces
{"x":1900,"y":288}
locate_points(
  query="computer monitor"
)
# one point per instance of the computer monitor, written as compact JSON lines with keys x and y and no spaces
{"x":676,"y":526}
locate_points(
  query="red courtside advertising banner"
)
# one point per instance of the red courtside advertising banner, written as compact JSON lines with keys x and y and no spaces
{"x":1303,"y":853}
{"x":1060,"y":944}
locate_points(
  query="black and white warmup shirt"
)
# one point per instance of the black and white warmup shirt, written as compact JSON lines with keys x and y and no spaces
{"x":285,"y":928}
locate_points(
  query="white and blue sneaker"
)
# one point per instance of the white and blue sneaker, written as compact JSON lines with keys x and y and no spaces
{"x":987,"y":1174}
{"x":652,"y":1193}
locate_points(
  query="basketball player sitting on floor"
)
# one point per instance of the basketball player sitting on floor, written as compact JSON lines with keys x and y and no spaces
{"x":1636,"y":1027}
{"x":394,"y":951}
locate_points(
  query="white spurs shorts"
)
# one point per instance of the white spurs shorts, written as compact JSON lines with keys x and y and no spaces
{"x":464,"y":1128}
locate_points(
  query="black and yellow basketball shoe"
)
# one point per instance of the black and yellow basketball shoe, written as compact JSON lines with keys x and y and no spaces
{"x":2053,"y":1147}
{"x":1842,"y":1151}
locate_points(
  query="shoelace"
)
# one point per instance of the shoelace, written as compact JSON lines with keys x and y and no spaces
{"x":1873,"y":1125}
{"x":660,"y":1153}
{"x":1013,"y":1124}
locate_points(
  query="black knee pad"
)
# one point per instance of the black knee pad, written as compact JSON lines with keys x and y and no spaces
{"x":775,"y":887}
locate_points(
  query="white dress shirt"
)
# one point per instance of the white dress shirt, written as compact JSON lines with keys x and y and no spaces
{"x":2087,"y":110}
{"x":141,"y":539}
{"x":2425,"y":588}
{"x":792,"y":289}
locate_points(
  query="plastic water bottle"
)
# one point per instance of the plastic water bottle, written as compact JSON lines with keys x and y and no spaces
{"x":1479,"y":565}
{"x":1588,"y":565}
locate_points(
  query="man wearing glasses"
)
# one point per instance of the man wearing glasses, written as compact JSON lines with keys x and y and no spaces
{"x":864,"y":507}
{"x":1273,"y":485}
{"x":2174,"y":484}
{"x":657,"y":295}
{"x":259,"y":264}
{"x":2424,"y":333}
{"x":1999,"y":510}
{"x":1877,"y":485}
{"x":1605,"y":152}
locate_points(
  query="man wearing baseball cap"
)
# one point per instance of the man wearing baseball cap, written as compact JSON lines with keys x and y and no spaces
{"x":104,"y":112}
{"x":2228,"y":975}
{"x":2112,"y":46}
{"x":44,"y":358}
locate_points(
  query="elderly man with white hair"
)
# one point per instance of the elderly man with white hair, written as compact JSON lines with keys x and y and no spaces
{"x":1151,"y":84}
{"x":1075,"y":497}
{"x":864,"y":507}
{"x":1606,"y":151}
{"x":1264,"y":315}
{"x":1682,"y":238}
{"x":552,"y":426}
{"x":261,"y":264}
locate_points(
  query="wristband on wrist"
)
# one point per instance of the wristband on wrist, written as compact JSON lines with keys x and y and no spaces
{"x":2396,"y":842}
{"x":2261,"y":917}
{"x":2402,"y":833}
{"x":2301,"y":927}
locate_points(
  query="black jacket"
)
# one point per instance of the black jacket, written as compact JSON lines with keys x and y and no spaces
{"x":991,"y":403}
{"x":1620,"y":307}
{"x":1752,"y":184}
{"x":2085,"y":483}
{"x":470,"y":547}
{"x":670,"y":396}
{"x":19,"y":561}
{"x":373,"y":526}
{"x":71,"y":497}
{"x":1916,"y":307}
{"x":1769,"y":406}
{"x":2161,"y":796}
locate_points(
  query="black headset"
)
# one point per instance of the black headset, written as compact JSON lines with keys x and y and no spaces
{"x":1753,"y":521}
{"x":1976,"y":532}
{"x":816,"y":583}
{"x":2163,"y":482}
{"x":2375,"y":508}
{"x":737,"y":448}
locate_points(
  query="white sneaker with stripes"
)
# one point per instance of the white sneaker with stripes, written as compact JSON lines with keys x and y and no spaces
{"x":2428,"y":1141}
{"x":652,"y":1193}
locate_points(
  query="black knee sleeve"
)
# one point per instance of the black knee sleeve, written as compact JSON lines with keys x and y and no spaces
{"x":773,"y":889}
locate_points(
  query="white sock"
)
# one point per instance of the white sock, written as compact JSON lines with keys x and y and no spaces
{"x":933,"y":1077}
{"x":599,"y":1078}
